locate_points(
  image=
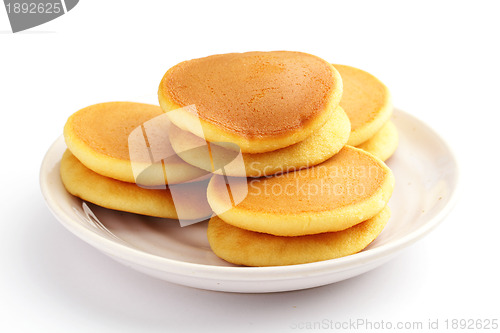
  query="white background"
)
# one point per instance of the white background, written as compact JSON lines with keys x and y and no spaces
{"x":440,"y":59}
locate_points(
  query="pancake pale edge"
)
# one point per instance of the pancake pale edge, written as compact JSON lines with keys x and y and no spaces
{"x":347,"y":189}
{"x":384,"y":143}
{"x":279,"y":98}
{"x":114,"y":194}
{"x":244,"y":247}
{"x":321,"y":145}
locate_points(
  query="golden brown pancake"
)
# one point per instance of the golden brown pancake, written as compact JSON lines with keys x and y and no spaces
{"x":99,"y":136}
{"x":366,"y":101}
{"x":318,"y":147}
{"x":244,"y":247}
{"x":260,"y":101}
{"x":384,"y":143}
{"x":347,"y":189}
{"x":84,"y":183}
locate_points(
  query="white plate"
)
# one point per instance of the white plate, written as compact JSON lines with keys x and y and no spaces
{"x":426,"y":182}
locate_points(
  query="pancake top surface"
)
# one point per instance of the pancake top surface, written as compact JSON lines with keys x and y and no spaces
{"x":349,"y":177}
{"x":255,"y":94}
{"x":363,"y":97}
{"x":105,"y":127}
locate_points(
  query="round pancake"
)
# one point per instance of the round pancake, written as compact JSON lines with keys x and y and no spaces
{"x":367,"y":102}
{"x":259,"y":101}
{"x":244,"y":247}
{"x":384,"y":143}
{"x":99,"y":136}
{"x":318,"y":147}
{"x":128,"y":197}
{"x":347,"y":189}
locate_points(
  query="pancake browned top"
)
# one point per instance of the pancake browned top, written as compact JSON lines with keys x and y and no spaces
{"x":105,"y":127}
{"x":255,"y":94}
{"x":349,"y":177}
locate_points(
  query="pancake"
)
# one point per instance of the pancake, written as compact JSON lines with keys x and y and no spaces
{"x":244,"y":247}
{"x":384,"y":143}
{"x":367,"y":102}
{"x":100,"y":136}
{"x":259,"y":101}
{"x":318,"y":147}
{"x":190,"y":199}
{"x":347,"y":189}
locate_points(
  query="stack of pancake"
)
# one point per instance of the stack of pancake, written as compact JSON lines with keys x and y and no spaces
{"x":275,"y":133}
{"x":99,"y":167}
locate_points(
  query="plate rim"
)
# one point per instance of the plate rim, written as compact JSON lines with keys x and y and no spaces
{"x":243,"y":273}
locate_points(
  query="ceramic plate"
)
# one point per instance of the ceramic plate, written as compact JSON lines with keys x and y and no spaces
{"x":426,"y":182}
